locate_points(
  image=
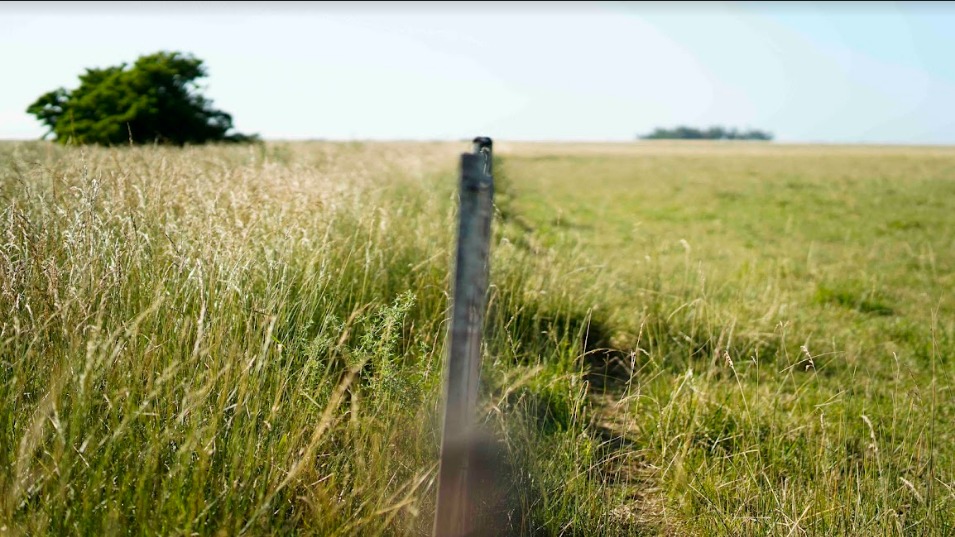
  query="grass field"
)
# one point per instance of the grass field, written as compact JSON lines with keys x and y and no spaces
{"x":683,"y":338}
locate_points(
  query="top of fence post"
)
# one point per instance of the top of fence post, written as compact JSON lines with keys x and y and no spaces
{"x":482,"y":142}
{"x":483,"y":146}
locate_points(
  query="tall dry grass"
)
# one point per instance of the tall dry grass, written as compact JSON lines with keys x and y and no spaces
{"x":249,"y":340}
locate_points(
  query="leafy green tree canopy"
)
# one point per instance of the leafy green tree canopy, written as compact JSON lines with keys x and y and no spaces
{"x":156,"y":100}
{"x":712,"y":133}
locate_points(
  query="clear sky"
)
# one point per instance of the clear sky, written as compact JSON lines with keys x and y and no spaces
{"x":808,"y":72}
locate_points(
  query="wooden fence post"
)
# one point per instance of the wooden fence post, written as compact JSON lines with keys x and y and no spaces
{"x":454,"y":516}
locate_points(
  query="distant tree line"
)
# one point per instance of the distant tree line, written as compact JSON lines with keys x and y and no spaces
{"x":712,"y":133}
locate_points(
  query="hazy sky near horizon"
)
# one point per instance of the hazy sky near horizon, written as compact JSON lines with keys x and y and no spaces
{"x":808,"y":72}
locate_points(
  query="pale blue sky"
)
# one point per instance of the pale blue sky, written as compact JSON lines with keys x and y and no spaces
{"x":808,"y":72}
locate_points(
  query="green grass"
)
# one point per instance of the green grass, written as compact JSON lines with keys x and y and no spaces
{"x":789,"y":317}
{"x":232,"y":340}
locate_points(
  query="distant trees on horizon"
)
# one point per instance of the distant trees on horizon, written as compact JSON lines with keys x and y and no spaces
{"x":712,"y":133}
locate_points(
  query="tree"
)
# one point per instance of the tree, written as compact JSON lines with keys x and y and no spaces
{"x":156,"y":100}
{"x":713,"y":133}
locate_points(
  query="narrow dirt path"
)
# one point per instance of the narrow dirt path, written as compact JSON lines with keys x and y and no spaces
{"x":630,"y":479}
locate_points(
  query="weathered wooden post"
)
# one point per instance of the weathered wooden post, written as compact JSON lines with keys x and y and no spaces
{"x":455,"y":510}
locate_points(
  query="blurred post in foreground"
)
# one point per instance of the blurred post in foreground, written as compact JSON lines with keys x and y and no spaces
{"x":455,"y":514}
